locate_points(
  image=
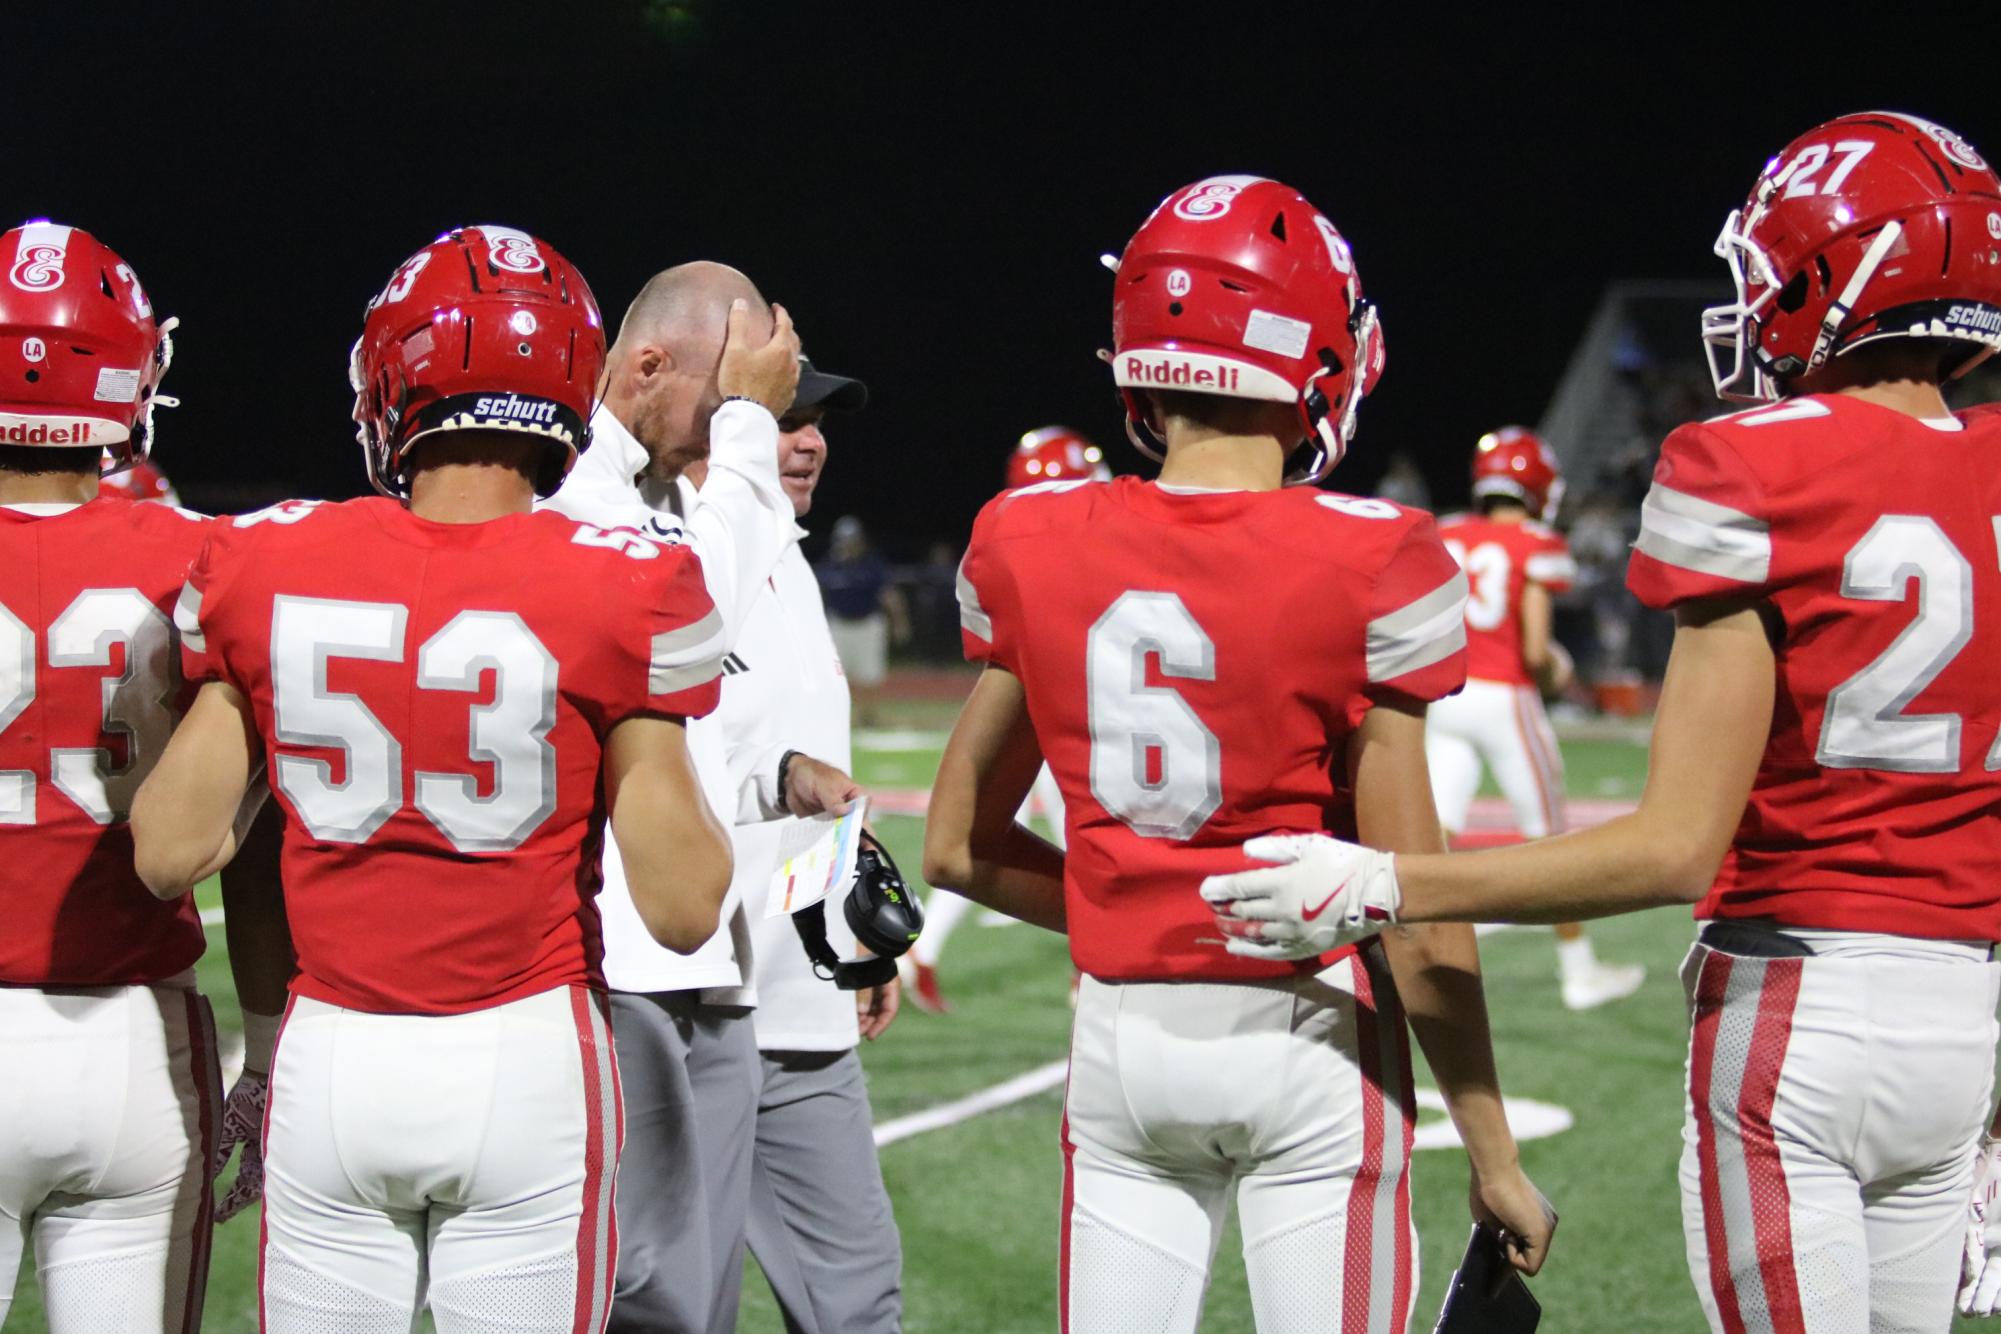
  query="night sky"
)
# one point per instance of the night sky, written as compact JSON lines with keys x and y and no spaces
{"x":926,"y":187}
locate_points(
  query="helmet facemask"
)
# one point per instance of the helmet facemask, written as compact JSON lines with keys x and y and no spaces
{"x":1734,"y":326}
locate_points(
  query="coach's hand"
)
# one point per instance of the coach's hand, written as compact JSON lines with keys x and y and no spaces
{"x":242,"y":1123}
{"x":1318,"y":894}
{"x":813,"y":787}
{"x":767,"y":371}
{"x":875,"y":1007}
{"x":1509,"y":1203}
{"x":1980,"y":1269}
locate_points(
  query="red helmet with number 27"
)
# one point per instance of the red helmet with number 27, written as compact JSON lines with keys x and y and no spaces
{"x":1876,"y":225}
{"x":81,"y":355}
{"x":486,"y":328}
{"x":1236,"y":285}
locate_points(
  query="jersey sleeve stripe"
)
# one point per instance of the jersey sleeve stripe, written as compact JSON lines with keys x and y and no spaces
{"x":972,"y":616}
{"x":1420,"y":633}
{"x":1551,"y":567}
{"x":1700,"y":535}
{"x":689,"y":656}
{"x":187,"y":618}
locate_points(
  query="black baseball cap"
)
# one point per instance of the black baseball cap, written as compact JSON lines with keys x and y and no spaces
{"x":836,"y":393}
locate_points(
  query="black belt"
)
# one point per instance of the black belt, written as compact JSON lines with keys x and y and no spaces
{"x":1752,"y":941}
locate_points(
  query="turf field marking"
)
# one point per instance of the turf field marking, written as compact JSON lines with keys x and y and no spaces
{"x":211,"y":917}
{"x":1007,"y":1092}
{"x":1528,"y":1118}
{"x":899,"y":739}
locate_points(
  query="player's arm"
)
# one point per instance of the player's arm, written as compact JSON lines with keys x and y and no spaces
{"x":1437,"y":973}
{"x":742,"y":520}
{"x":1548,"y":665}
{"x":676,"y":854}
{"x":261,"y":958}
{"x":185,"y":816}
{"x":971,"y":842}
{"x":1709,"y":735}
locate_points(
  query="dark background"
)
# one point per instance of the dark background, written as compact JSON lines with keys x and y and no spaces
{"x":928,"y":187}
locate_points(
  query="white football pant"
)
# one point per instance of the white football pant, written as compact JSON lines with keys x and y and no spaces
{"x":1296,"y":1095}
{"x":108,"y":1115}
{"x":469,"y":1157}
{"x":1506,"y":727}
{"x":1834,"y":1107}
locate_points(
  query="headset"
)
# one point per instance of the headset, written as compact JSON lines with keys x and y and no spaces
{"x":882,"y":912}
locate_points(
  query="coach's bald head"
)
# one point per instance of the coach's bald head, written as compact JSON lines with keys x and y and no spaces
{"x":660,"y":376}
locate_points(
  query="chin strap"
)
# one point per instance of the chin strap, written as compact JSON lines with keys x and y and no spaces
{"x":1837,"y":314}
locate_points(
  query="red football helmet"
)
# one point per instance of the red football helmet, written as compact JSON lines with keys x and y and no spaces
{"x":1055,"y":453}
{"x":1876,"y":225}
{"x":485,"y":328}
{"x":142,"y":481}
{"x":1236,"y":285}
{"x":81,"y":355}
{"x":1515,"y":461}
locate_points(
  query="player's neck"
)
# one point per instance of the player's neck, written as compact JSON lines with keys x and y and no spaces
{"x":469,"y":493}
{"x":1215,"y":461}
{"x":47,"y":488}
{"x":1506,"y":514}
{"x":1858,"y":377}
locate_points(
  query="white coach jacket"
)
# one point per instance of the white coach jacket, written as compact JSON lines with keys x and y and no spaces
{"x":783,"y":689}
{"x":739,"y":523}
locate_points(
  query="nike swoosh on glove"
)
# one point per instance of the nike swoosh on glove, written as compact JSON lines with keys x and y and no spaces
{"x":242,"y":1123}
{"x":1318,"y":894}
{"x":1980,"y":1269}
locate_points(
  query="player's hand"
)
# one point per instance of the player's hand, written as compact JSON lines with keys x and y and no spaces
{"x":815,"y":788}
{"x":242,"y":1123}
{"x":876,"y":1007}
{"x":767,"y":372}
{"x":1509,"y":1203}
{"x":1318,"y":894}
{"x":1980,"y":1268}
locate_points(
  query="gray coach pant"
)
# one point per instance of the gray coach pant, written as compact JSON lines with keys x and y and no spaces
{"x":689,"y":1076}
{"x":820,"y":1221}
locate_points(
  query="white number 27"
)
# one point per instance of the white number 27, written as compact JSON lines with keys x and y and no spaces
{"x":1865,"y":726}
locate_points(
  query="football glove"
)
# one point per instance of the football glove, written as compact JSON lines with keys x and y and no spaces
{"x":242,"y":1123}
{"x":1980,"y":1269}
{"x":1318,"y":894}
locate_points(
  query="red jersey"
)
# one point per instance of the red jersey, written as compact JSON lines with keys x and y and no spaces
{"x":1501,"y":560}
{"x":1872,"y":535}
{"x":1195,"y":664}
{"x":433,"y":700}
{"x":90,"y":690}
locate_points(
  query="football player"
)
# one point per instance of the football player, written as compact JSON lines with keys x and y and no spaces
{"x":1047,"y":454}
{"x":144,"y":480}
{"x":97,"y":984}
{"x":1181,"y":715}
{"x":454,"y":697}
{"x":1515,"y":565}
{"x":1826,"y":757}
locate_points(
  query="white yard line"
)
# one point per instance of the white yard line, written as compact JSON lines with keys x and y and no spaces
{"x":211,"y":917}
{"x":1007,"y":1092}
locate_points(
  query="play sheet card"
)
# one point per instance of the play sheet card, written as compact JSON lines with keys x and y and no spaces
{"x":815,"y":857}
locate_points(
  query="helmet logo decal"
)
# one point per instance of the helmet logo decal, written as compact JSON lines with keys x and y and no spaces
{"x":38,"y":268}
{"x":1178,"y":282}
{"x":1207,"y":201}
{"x":512,"y":252}
{"x":1952,"y":144}
{"x":522,"y":322}
{"x":33,"y":349}
{"x":1994,"y":225}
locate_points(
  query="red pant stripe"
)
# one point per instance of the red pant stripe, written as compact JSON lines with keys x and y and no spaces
{"x":207,"y":1073}
{"x":1359,"y":1262}
{"x":1407,"y":1095}
{"x":1711,"y":982}
{"x":1771,"y":1200}
{"x":594,"y":1261}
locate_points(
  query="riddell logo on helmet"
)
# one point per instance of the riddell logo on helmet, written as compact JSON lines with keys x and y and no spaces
{"x":1180,"y":375}
{"x":18,"y":432}
{"x":513,"y":407}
